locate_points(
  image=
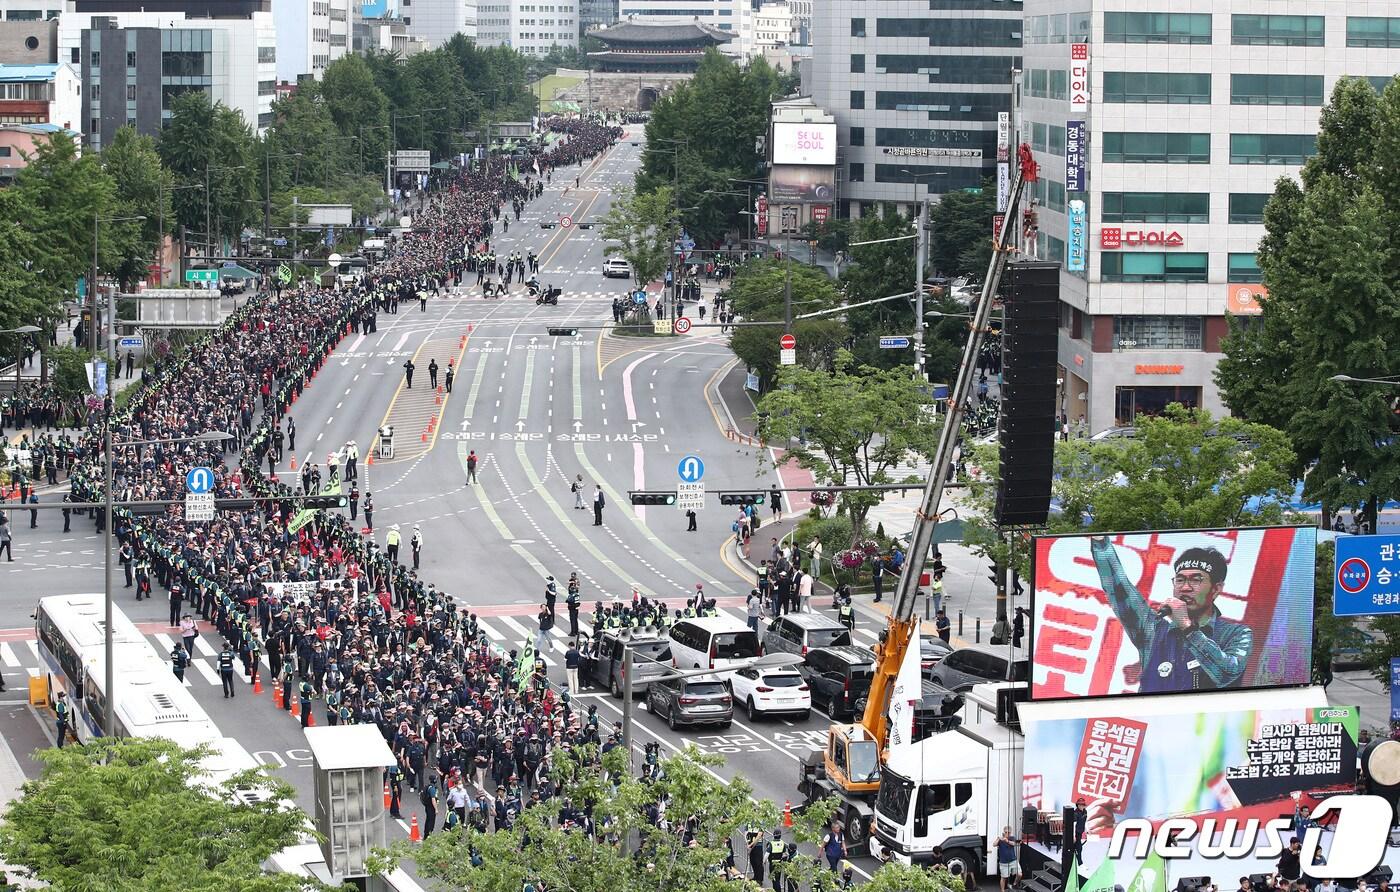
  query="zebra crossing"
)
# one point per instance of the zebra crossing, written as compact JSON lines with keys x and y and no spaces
{"x":506,"y":632}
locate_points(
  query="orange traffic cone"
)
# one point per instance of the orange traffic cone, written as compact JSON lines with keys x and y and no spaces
{"x":787,"y":813}
{"x":277,"y":696}
{"x":388,"y":798}
{"x":294,"y":463}
{"x":414,"y":835}
{"x":257,"y":683}
{"x":310,"y":718}
{"x":296,"y":709}
{"x":370,"y":460}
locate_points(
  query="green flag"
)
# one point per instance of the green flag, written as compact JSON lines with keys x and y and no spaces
{"x":525,"y":663}
{"x":1102,"y":878}
{"x":1072,"y":881}
{"x":303,"y":517}
{"x":1151,"y":876}
{"x":284,"y":273}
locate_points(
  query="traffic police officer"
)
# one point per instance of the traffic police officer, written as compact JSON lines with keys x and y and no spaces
{"x":847,"y":613}
{"x":226,"y":670}
{"x":62,"y":711}
{"x":306,"y":693}
{"x":179,"y":661}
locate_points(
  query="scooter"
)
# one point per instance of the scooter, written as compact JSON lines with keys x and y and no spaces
{"x":550,"y":296}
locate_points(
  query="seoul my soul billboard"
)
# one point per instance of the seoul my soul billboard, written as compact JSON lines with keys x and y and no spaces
{"x":804,"y":144}
{"x":1173,"y":611}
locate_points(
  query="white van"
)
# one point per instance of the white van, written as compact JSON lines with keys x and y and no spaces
{"x":373,"y":247}
{"x":712,"y":642}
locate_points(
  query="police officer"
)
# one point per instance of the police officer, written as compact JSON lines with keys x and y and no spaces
{"x":288,"y":678}
{"x":778,"y":854}
{"x":332,"y":706}
{"x":306,"y":693}
{"x":179,"y":661}
{"x":847,"y":613}
{"x":391,"y":543}
{"x":571,"y":600}
{"x":62,"y":711}
{"x":395,"y":791}
{"x":226,"y":669}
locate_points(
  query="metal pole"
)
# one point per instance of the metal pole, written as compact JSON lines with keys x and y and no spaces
{"x":109,"y":714}
{"x":627,"y":702}
{"x":920,"y":253}
{"x":92,"y":289}
{"x":208,"y":228}
{"x":160,"y":233}
{"x":267,"y":193}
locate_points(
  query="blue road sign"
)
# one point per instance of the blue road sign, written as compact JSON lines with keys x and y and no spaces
{"x":1367,"y":577}
{"x":199,"y":480}
{"x":639,"y":297}
{"x":893,"y":343}
{"x":691,"y":469}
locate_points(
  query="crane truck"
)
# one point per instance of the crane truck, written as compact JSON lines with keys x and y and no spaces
{"x":849,"y":767}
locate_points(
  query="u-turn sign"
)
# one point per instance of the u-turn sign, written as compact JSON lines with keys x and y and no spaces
{"x":691,"y":469}
{"x":199,"y":480}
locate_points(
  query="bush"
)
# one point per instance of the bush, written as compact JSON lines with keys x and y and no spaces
{"x":834,"y":533}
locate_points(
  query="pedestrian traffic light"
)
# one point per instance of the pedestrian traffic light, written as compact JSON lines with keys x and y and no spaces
{"x":652,"y":498}
{"x":315,"y":502}
{"x":742,"y":498}
{"x":563,"y":332}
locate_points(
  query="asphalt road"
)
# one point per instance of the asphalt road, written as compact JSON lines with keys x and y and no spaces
{"x":539,"y":411}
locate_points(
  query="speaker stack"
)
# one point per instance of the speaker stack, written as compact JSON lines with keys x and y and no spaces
{"x":1026,"y":431}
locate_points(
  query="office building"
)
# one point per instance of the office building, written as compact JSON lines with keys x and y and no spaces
{"x":531,"y":27}
{"x":1160,"y":136}
{"x":436,"y":21}
{"x":725,"y":15}
{"x":917,"y":94}
{"x":387,"y":35}
{"x":311,"y":34}
{"x":132,"y":65}
{"x":596,"y":14}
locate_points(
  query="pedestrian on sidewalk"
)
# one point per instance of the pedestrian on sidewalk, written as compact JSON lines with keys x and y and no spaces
{"x":33,"y":512}
{"x":943,"y":626}
{"x":408,"y":373}
{"x":432,"y":373}
{"x":775,"y":499}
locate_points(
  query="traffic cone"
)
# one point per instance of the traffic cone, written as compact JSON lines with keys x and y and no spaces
{"x":257,"y":683}
{"x":296,"y":709}
{"x":277,"y":696}
{"x":310,"y":717}
{"x":787,"y":813}
{"x":370,"y":460}
{"x":294,"y":463}
{"x":414,"y":835}
{"x":388,"y":798}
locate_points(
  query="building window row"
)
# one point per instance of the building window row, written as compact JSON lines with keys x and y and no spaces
{"x":954,"y":32}
{"x":1157,"y":27}
{"x":950,"y":69}
{"x":983,"y":106}
{"x":1157,"y":332}
{"x":1052,"y":84}
{"x":1156,"y":207}
{"x":1156,"y":148}
{"x":1049,"y":194}
{"x":1366,"y":31}
{"x":1048,"y":138}
{"x":1058,"y":28}
{"x":1275,"y":89}
{"x":1178,"y":88}
{"x":1272,"y":148}
{"x":1277,"y":30}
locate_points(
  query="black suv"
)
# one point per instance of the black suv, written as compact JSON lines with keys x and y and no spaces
{"x":838,"y":676}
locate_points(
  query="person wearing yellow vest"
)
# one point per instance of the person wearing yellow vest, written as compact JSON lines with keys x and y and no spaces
{"x":391,"y":543}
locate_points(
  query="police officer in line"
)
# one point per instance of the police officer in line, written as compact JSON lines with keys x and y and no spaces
{"x":179,"y":661}
{"x":288,"y":679}
{"x":779,"y":853}
{"x":226,"y":669}
{"x":847,"y":612}
{"x":62,"y":712}
{"x":306,"y":693}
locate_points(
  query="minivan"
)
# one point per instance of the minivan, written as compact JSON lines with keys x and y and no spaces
{"x":968,"y":666}
{"x":839,"y":676}
{"x":797,"y":633}
{"x":712,"y":642}
{"x":651,"y":657}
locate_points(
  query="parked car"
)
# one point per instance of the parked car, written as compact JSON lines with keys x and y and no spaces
{"x":797,"y":633}
{"x":701,"y":700}
{"x":651,"y":657}
{"x":712,"y":642}
{"x":616,"y":267}
{"x":932,"y":650}
{"x":838,"y":677}
{"x":968,"y":666}
{"x":936,"y":712}
{"x":771,"y":692}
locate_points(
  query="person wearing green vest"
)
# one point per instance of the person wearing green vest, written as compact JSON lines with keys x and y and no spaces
{"x":847,"y":613}
{"x":288,"y":676}
{"x":332,"y":707}
{"x":307,"y":693}
{"x":62,"y":712}
{"x":779,"y":854}
{"x":391,"y":543}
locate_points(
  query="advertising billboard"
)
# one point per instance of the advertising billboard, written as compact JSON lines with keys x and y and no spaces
{"x":804,"y":144}
{"x":1224,"y":764}
{"x":1168,"y":612}
{"x":802,"y":183}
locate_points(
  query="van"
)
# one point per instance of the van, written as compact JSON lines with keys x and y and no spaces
{"x":797,"y":633}
{"x":712,"y":642}
{"x":651,"y":655}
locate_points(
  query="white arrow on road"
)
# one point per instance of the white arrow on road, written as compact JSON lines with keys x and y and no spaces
{"x":466,"y":422}
{"x":519,"y":426}
{"x":577,"y":424}
{"x":637,"y":424}
{"x":533,"y":339}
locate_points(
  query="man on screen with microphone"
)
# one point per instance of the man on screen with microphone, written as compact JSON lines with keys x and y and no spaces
{"x":1184,"y":644}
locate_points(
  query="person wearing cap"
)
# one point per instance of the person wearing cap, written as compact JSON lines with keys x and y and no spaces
{"x":415,"y":542}
{"x":391,"y":543}
{"x":1184,"y":644}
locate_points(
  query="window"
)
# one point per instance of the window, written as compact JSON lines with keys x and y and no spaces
{"x":75,"y":56}
{"x":978,"y":69}
{"x":1277,"y":30}
{"x":857,"y":172}
{"x":1156,"y":332}
{"x":267,"y":88}
{"x":857,"y":63}
{"x":1156,"y":27}
{"x":1156,"y":86}
{"x":131,"y":59}
{"x":1049,"y":194}
{"x":130,"y":92}
{"x":1156,"y":207}
{"x":1156,"y":148}
{"x":1059,"y":84}
{"x":857,"y":99}
{"x":5,"y":152}
{"x":96,"y":59}
{"x":267,"y":54}
{"x":96,"y":92}
{"x":1272,"y":148}
{"x":954,"y":32}
{"x":1243,"y":268}
{"x":1153,"y":266}
{"x":1373,"y":32}
{"x":857,"y":27}
{"x":979,"y":106}
{"x":857,"y":136}
{"x":1276,"y":89}
{"x":1248,"y":207}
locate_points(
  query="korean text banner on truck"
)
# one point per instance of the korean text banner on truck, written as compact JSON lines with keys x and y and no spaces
{"x":1171,"y":612}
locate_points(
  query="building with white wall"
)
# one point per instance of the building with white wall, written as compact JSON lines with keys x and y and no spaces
{"x":530,"y":26}
{"x":436,"y":21}
{"x":311,"y":34}
{"x":916,"y":93}
{"x":40,"y":94}
{"x":132,"y":65}
{"x":1160,"y":135}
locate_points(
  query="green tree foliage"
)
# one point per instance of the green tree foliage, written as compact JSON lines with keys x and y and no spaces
{"x":28,"y":295}
{"x":641,"y":228}
{"x":358,"y":106}
{"x":64,"y":194}
{"x":123,"y":815}
{"x":853,"y":425}
{"x":757,"y":295}
{"x":210,"y":144}
{"x":961,"y":240}
{"x":1332,"y":308}
{"x":142,"y":189}
{"x":69,"y":371}
{"x":705,"y":132}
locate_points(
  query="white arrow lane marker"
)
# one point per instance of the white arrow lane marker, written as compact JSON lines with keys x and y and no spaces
{"x":638,"y":460}
{"x":528,"y":386}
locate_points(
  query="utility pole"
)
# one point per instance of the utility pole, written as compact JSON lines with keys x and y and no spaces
{"x":920,"y":261}
{"x":92,"y":288}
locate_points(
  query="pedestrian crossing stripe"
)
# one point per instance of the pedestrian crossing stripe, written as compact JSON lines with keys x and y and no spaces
{"x":507,"y":633}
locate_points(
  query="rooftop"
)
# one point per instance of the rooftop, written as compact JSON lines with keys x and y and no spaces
{"x":44,"y":73}
{"x":661,"y":33}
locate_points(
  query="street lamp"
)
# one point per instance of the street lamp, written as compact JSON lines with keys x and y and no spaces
{"x":767,"y":661}
{"x":109,"y":724}
{"x":112,"y":299}
{"x":921,"y":251}
{"x":19,"y":344}
{"x":1393,"y":381}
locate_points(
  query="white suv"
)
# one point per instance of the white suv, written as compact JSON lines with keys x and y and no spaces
{"x":617,"y":267}
{"x":769,"y":692}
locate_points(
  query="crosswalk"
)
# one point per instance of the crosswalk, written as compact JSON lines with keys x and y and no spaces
{"x":506,"y":632}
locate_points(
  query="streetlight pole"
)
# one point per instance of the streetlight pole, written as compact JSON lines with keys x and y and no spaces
{"x":109,"y":723}
{"x":208,"y":226}
{"x":921,"y":251}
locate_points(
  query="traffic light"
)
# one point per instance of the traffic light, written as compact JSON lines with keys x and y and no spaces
{"x":315,"y":502}
{"x":236,"y":504}
{"x":742,"y":498}
{"x":652,"y":498}
{"x":995,"y":576}
{"x":563,"y":332}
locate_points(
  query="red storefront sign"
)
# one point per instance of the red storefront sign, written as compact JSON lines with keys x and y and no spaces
{"x":762,"y":215}
{"x":1112,"y":238}
{"x":819,"y":213}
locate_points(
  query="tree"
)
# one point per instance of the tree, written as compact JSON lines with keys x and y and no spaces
{"x":27,"y":296}
{"x":1332,"y":308}
{"x":357,"y":106}
{"x":961,"y":240}
{"x":644,"y":226}
{"x":64,"y":194}
{"x":758,"y":295}
{"x":850,"y":426}
{"x":142,"y":189}
{"x":130,"y":815}
{"x":210,"y":149}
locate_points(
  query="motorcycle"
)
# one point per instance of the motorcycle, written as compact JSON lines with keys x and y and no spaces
{"x":550,"y":296}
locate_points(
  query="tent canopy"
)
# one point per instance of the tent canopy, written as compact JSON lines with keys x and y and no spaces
{"x":236,"y":272}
